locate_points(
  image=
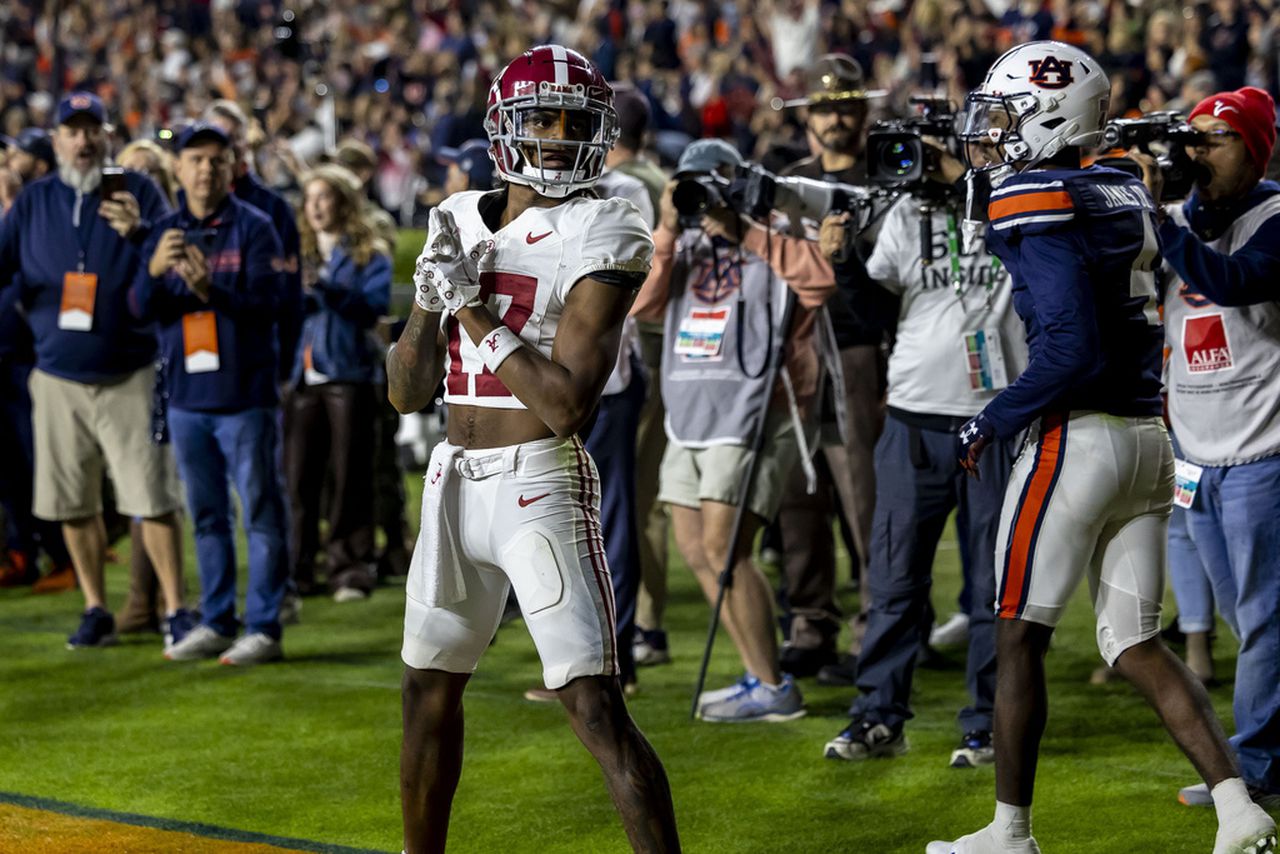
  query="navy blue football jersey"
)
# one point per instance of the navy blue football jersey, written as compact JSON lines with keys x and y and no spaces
{"x":1081,"y":247}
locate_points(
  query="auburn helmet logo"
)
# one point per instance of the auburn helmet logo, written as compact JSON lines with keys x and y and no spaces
{"x":1051,"y":72}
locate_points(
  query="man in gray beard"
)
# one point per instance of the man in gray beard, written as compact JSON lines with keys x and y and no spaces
{"x":74,"y":254}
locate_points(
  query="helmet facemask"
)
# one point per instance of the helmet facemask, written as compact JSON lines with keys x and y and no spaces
{"x":554,"y":140}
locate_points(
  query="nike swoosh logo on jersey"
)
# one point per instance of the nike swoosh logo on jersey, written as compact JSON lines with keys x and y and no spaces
{"x":525,"y":502}
{"x":530,"y":239}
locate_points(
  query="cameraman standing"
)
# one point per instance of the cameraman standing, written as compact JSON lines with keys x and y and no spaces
{"x":958,"y":343}
{"x":1222,"y":324}
{"x":837,"y":115}
{"x":720,"y":284}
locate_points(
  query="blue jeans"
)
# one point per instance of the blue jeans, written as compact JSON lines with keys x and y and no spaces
{"x":1235,"y":525}
{"x":212,"y":448}
{"x":918,"y":483}
{"x":1190,"y":581}
{"x":612,"y":444}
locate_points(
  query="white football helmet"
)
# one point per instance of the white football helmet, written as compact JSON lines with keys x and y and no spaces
{"x":1037,"y":99}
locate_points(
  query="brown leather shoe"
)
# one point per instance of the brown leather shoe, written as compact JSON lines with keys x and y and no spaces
{"x":60,"y":580}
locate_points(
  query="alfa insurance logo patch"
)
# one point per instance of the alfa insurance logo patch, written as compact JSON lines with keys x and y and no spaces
{"x":1205,"y":344}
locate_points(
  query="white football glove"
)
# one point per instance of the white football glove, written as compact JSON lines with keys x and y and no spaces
{"x":445,"y":277}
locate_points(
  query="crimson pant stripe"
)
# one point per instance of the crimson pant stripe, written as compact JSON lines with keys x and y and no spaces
{"x":602,"y":578}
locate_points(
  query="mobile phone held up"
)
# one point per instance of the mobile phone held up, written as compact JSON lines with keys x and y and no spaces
{"x":201,"y":238}
{"x":112,"y":181}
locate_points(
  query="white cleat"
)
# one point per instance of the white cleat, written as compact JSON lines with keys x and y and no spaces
{"x":985,"y":841}
{"x":953,"y":633}
{"x":1254,"y":833}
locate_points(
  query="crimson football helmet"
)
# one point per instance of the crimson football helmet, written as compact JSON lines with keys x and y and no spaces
{"x":550,"y":78}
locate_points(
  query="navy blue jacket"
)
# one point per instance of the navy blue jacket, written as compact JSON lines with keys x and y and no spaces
{"x":40,"y":241}
{"x":245,"y":294}
{"x":344,"y":305}
{"x":1247,"y":276}
{"x":250,"y":190}
{"x":1072,"y":239}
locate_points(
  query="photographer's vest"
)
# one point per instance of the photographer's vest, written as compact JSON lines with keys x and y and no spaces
{"x":718,"y":309}
{"x":1223,"y":369}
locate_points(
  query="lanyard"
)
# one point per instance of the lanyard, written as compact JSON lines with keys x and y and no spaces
{"x":957,"y":278}
{"x":83,"y":230}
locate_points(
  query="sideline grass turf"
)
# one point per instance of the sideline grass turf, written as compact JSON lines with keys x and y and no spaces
{"x":308,"y":748}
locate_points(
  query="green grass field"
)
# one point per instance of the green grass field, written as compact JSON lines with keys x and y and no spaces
{"x":308,"y":748}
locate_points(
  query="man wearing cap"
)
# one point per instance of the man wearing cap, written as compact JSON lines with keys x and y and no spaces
{"x":713,"y":284}
{"x":836,"y":106}
{"x":469,"y":167}
{"x":213,"y":286}
{"x":1222,"y":326}
{"x":76,"y":254}
{"x":31,"y":155}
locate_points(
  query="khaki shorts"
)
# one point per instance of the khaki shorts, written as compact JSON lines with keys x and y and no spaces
{"x":690,"y":476}
{"x":80,"y":427}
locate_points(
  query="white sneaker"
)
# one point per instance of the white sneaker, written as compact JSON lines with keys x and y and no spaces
{"x":719,"y":694}
{"x":756,"y":701}
{"x":985,"y":841}
{"x":954,"y":632}
{"x":1253,"y":833}
{"x":647,"y":655}
{"x":200,"y":642}
{"x":255,"y":648}
{"x":350,"y":594}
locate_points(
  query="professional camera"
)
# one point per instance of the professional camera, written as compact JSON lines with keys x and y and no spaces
{"x":756,"y":192}
{"x":1163,"y":135}
{"x":897,"y":155}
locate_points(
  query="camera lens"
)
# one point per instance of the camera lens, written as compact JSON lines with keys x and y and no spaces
{"x":899,"y":158}
{"x":690,"y":197}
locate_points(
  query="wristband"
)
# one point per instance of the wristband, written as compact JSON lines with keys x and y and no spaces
{"x":496,"y":346}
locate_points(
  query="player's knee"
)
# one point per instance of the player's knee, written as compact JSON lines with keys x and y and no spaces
{"x":431,"y":701}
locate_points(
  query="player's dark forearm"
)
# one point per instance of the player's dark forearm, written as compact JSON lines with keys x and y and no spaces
{"x":413,"y":364}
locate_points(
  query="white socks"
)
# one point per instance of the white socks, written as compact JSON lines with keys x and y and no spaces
{"x":1013,"y":824}
{"x":1230,"y":799}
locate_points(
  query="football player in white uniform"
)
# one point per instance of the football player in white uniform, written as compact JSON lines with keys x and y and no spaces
{"x":521,"y":297}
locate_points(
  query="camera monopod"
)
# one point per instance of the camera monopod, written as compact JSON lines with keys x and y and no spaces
{"x":748,"y":476}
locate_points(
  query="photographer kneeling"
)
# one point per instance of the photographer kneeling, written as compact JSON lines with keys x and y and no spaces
{"x":958,"y":343}
{"x":723,"y":305}
{"x":1222,"y":326}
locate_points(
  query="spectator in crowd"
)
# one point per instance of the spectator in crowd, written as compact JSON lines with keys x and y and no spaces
{"x":958,"y":343}
{"x":359,"y":159}
{"x":650,"y":645}
{"x":147,"y":157}
{"x":228,"y":116}
{"x":699,"y":273}
{"x":142,"y":609}
{"x":30,"y":155}
{"x":1221,"y":321}
{"x":836,"y":101}
{"x":330,"y":409}
{"x":467,"y":167}
{"x":25,"y":535}
{"x":213,"y":288}
{"x":75,"y":254}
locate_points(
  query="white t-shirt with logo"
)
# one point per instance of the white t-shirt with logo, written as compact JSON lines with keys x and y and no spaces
{"x":1223,"y":369}
{"x":956,"y":346}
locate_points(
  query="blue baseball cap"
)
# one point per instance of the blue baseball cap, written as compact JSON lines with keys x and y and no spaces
{"x":201,"y":132}
{"x":707,"y":155}
{"x":472,"y":158}
{"x":81,"y":104}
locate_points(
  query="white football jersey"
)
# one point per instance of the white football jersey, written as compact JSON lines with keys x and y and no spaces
{"x":538,"y":257}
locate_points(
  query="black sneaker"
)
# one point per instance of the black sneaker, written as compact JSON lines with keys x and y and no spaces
{"x":975,"y":749}
{"x":839,"y":674}
{"x":803,"y":662}
{"x":863,"y":739}
{"x":97,"y":628}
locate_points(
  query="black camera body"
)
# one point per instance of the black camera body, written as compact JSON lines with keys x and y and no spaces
{"x":694,"y":195}
{"x":897,"y":156}
{"x":1170,"y":134}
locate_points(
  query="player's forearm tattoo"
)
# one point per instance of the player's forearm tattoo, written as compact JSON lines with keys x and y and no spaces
{"x":407,"y":375}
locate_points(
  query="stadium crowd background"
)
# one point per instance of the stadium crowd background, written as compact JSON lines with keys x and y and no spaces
{"x":410,"y":78}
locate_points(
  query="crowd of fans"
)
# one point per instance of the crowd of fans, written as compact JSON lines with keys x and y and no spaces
{"x":409,"y":79}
